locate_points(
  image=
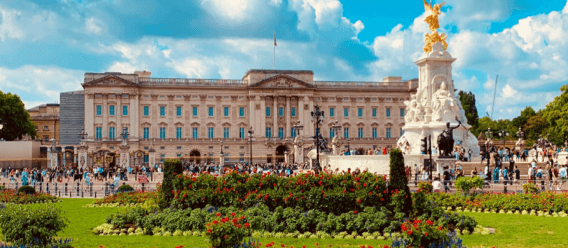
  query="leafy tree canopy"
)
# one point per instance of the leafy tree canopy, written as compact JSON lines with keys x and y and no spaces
{"x":17,"y":121}
{"x":468,"y":103}
{"x":556,"y":116}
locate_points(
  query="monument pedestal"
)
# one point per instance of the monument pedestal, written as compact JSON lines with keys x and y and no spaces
{"x":444,"y":162}
{"x":562,"y":158}
{"x":124,"y":156}
{"x":222,"y":160}
{"x":82,"y":153}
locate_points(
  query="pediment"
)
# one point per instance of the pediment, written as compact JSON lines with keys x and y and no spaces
{"x":281,"y":81}
{"x":110,"y":80}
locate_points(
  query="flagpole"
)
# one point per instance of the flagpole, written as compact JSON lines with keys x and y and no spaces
{"x":274,"y":57}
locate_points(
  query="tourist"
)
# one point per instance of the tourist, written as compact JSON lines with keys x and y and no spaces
{"x":505,"y":174}
{"x":416,"y":173}
{"x":469,"y":152}
{"x":496,"y":175}
{"x":447,"y":178}
{"x":530,"y":174}
{"x":562,"y":173}
{"x":436,"y":185}
{"x":474,"y":172}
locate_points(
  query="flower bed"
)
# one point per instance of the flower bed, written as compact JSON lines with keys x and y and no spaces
{"x":127,"y":198}
{"x":334,"y":194}
{"x":497,"y":202}
{"x":371,"y":223}
{"x":10,"y":196}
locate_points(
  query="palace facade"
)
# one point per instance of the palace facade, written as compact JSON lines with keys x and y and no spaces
{"x":197,"y":118}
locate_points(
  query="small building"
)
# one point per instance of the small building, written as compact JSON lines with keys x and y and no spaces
{"x":46,"y":119}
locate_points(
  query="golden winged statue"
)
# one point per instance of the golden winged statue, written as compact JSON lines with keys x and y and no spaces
{"x":433,"y":25}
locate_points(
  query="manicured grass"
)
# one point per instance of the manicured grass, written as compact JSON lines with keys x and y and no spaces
{"x":511,"y":231}
{"x":519,"y":231}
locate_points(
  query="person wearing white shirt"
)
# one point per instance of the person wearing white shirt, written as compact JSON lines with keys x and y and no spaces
{"x":436,"y":185}
{"x":530,"y":174}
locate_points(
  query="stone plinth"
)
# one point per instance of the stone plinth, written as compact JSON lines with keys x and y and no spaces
{"x":370,"y":163}
{"x":562,"y":157}
{"x":444,"y":162}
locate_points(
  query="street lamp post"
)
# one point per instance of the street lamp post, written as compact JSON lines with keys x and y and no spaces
{"x":317,"y":117}
{"x":503,"y":134}
{"x":251,"y":132}
{"x":520,"y":133}
{"x":221,"y":142}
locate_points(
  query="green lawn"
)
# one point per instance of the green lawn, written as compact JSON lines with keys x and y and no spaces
{"x":511,"y":231}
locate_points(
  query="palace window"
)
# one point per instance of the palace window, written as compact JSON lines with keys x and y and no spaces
{"x":178,"y":110}
{"x":242,"y":132}
{"x":210,"y":111}
{"x":346,"y":132}
{"x":194,"y":110}
{"x":360,"y":112}
{"x":374,"y":112}
{"x":178,"y":132}
{"x":280,"y":111}
{"x":267,"y":111}
{"x":346,"y":112}
{"x":226,"y":132}
{"x":45,"y":128}
{"x":388,"y":113}
{"x":331,"y":112}
{"x":146,"y":133}
{"x":293,"y":111}
{"x":194,"y":133}
{"x":225,"y":111}
{"x":280,"y":133}
{"x":146,"y":111}
{"x":162,"y":157}
{"x":360,"y":132}
{"x":111,"y":132}
{"x":401,"y":112}
{"x":388,"y":132}
{"x":374,"y":132}
{"x":210,"y":133}
{"x":124,"y":110}
{"x":401,"y":132}
{"x":111,"y":110}
{"x":162,"y":133}
{"x":293,"y":132}
{"x":99,"y":134}
{"x":331,"y":133}
{"x":99,"y":110}
{"x":241,"y":112}
{"x":268,"y":132}
{"x":162,"y":111}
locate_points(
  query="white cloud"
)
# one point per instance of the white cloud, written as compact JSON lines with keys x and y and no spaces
{"x":39,"y":84}
{"x":123,"y":67}
{"x":276,"y":2}
{"x":233,"y":10}
{"x":29,"y":24}
{"x":565,"y":10}
{"x":478,"y":14}
{"x":93,"y":25}
{"x":508,"y":91}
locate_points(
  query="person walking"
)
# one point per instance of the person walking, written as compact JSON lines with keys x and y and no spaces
{"x":447,"y":178}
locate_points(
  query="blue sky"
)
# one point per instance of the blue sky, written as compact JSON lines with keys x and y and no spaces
{"x":46,"y":46}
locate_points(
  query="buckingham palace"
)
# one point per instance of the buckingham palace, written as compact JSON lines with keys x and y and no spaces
{"x":199,"y":119}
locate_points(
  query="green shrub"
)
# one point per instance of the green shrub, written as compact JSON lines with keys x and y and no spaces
{"x":125,"y":188}
{"x":425,"y":187}
{"x":398,"y":181}
{"x":27,"y":225}
{"x":26,"y":190}
{"x":465,"y":184}
{"x":172,"y":168}
{"x":530,"y":188}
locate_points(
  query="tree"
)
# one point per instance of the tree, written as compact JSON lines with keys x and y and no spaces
{"x":172,"y":168}
{"x":535,"y":127}
{"x":17,"y":121}
{"x":398,"y":183}
{"x":521,"y":120}
{"x":556,"y":114}
{"x":468,"y":103}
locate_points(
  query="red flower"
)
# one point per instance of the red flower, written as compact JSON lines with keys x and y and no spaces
{"x":344,"y":191}
{"x":247,"y":225}
{"x":215,"y":222}
{"x":232,"y":214}
{"x":209,"y":230}
{"x":225,"y":236}
{"x":358,"y":200}
{"x":282,"y":245}
{"x":218,"y":214}
{"x":425,"y":234}
{"x":365,"y":185}
{"x":355,"y":211}
{"x":409,"y":232}
{"x":429,"y":222}
{"x":440,"y":228}
{"x":274,"y":184}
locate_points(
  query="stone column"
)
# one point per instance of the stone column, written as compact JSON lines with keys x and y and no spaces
{"x":222,"y":160}
{"x":151,"y":157}
{"x":301,"y":111}
{"x":251,"y":114}
{"x":118,"y":114}
{"x":124,"y":156}
{"x":90,"y":114}
{"x":308,"y":124}
{"x":288,"y":115}
{"x":82,"y":156}
{"x":262,"y":118}
{"x":49,"y":158}
{"x":75,"y":154}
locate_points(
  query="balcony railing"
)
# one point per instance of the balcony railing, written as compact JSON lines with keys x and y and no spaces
{"x":192,"y":81}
